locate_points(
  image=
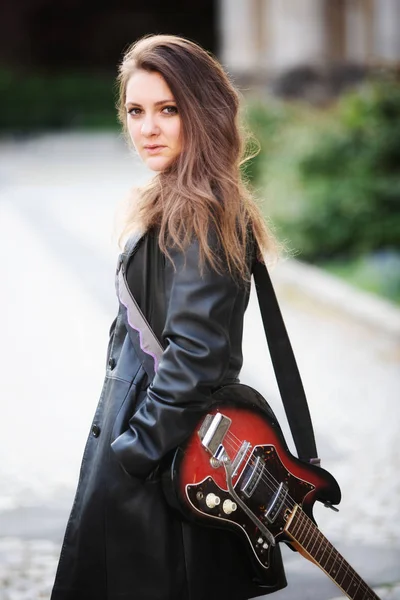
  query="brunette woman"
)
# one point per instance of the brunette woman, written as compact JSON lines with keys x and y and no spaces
{"x":192,"y":237}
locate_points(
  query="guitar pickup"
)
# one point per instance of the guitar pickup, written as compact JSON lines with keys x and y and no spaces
{"x":276,"y":504}
{"x":253,"y":479}
{"x":212,"y":432}
{"x":237,"y":461}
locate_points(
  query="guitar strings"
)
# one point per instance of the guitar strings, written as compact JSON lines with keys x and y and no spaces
{"x":270,"y":481}
{"x":309,"y":524}
{"x":238,"y":444}
{"x":273,"y":485}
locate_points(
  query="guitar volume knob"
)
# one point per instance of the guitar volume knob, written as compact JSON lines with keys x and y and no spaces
{"x":229,"y":507}
{"x":212,"y":500}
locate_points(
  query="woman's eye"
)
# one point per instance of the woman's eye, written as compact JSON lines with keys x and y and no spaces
{"x":134,"y":111}
{"x":170,"y":110}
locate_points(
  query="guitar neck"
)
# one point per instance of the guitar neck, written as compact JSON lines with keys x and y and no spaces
{"x":313,"y":545}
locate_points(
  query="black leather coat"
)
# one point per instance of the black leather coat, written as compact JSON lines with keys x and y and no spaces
{"x":122,"y":540}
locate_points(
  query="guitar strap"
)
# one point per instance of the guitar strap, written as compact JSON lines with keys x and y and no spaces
{"x":286,"y":371}
{"x":149,"y":351}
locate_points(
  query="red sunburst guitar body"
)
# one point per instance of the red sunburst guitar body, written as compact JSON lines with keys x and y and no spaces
{"x":237,"y":472}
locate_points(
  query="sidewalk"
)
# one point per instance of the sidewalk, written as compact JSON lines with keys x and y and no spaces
{"x":27,"y":572}
{"x":57,"y":199}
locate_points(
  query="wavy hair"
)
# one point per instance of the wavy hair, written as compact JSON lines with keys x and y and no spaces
{"x":203,"y":189}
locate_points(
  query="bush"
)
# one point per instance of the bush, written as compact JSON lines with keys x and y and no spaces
{"x":350,"y":180}
{"x":264,"y":123}
{"x":331,"y":179}
{"x":29,"y":103}
{"x":378,"y":273}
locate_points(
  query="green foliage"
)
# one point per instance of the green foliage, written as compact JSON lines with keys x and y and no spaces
{"x":331,"y":178}
{"x":350,"y":179}
{"x":263,"y":123}
{"x":377,"y":273}
{"x":35,"y":102}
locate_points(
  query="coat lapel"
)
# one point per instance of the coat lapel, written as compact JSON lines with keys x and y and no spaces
{"x":131,"y":245}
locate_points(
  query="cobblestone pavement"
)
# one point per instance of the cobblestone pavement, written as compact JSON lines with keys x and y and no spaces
{"x":27,"y":568}
{"x":27,"y":571}
{"x":57,"y":199}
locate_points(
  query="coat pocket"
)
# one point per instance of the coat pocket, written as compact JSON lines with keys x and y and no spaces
{"x":132,"y":399}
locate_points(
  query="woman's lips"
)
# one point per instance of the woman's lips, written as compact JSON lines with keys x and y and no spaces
{"x":153,"y":149}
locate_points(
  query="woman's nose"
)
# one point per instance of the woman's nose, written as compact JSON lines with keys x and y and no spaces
{"x":149,"y":126}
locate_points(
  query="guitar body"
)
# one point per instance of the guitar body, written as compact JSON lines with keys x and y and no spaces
{"x":268,"y":479}
{"x":236,"y":471}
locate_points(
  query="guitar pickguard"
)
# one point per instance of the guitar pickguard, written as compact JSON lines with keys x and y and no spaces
{"x":197,"y":495}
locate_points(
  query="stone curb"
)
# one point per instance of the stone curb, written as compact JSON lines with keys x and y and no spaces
{"x":332,"y":291}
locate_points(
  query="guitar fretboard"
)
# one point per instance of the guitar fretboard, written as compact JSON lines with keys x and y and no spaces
{"x":321,"y":551}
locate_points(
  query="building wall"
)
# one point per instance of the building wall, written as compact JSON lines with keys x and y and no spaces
{"x":270,"y":36}
{"x":237,"y":33}
{"x":294,"y":32}
{"x":387,"y":30}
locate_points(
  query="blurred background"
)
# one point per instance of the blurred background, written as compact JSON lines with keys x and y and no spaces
{"x":321,"y":94}
{"x":321,"y":82}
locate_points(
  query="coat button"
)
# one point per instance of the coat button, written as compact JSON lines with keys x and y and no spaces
{"x":96,"y":431}
{"x":111,"y":363}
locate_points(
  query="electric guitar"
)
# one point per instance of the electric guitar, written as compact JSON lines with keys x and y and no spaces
{"x":237,"y":472}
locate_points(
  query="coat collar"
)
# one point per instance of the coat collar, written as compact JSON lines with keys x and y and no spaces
{"x":132,"y":243}
{"x":129,"y":248}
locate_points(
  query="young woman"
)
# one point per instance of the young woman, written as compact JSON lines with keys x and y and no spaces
{"x":192,"y":238}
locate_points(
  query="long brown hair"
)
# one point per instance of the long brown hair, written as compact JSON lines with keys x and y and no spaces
{"x":203,"y":188}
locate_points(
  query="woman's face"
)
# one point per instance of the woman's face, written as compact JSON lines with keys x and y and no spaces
{"x":153,"y":121}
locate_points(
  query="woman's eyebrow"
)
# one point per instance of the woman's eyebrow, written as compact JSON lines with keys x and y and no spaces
{"x":159,"y":103}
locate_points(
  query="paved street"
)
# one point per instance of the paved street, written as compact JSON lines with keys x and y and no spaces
{"x":58,"y":195}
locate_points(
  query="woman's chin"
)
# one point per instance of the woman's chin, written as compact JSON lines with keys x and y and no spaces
{"x":157,"y":163}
